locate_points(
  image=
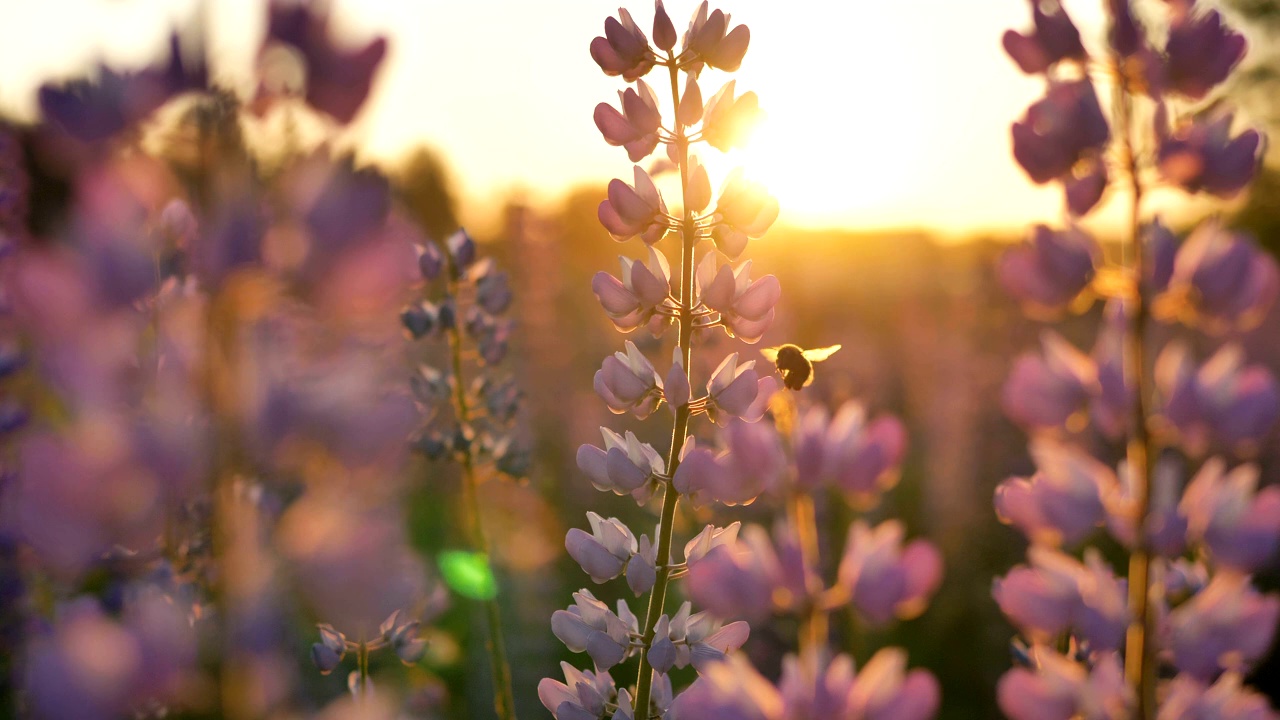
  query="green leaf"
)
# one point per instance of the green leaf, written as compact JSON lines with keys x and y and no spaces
{"x":468,"y":574}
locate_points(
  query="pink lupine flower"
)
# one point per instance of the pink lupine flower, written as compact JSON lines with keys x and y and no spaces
{"x":1058,"y":689}
{"x":1200,"y":53}
{"x":1040,"y":599}
{"x":628,"y":383}
{"x":631,"y":211}
{"x":884,"y":690}
{"x":625,"y":465}
{"x":630,"y":302}
{"x":1052,"y":268}
{"x":1188,"y":698}
{"x":1222,"y":279}
{"x":1052,"y":390}
{"x":704,"y":476}
{"x":624,"y":49}
{"x":1059,"y":130}
{"x":1224,"y":402}
{"x":863,"y":458}
{"x":1054,"y":38}
{"x":744,"y":210}
{"x":731,"y":390}
{"x":1227,"y":514}
{"x":711,"y":42}
{"x":338,"y":80}
{"x":582,"y":695}
{"x":1226,"y":626}
{"x":727,"y":121}
{"x":1201,"y":156}
{"x":746,"y":306}
{"x":636,"y":127}
{"x":605,"y":551}
{"x":590,"y":626}
{"x":1062,"y":502}
{"x":695,"y":639}
{"x":886,"y":579}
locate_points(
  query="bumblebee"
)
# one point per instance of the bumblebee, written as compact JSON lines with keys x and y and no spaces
{"x":796,"y":363}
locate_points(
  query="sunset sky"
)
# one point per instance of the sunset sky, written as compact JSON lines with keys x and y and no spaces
{"x":879,"y":114}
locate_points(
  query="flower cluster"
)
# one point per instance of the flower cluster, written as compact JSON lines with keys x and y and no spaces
{"x":212,"y":424}
{"x":1092,"y":644}
{"x":699,"y":296}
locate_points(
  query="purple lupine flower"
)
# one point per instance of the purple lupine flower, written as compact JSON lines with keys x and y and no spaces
{"x":493,"y":292}
{"x":625,"y":465}
{"x":636,"y":127}
{"x":583,"y":694}
{"x":1113,"y":404}
{"x":746,"y":306}
{"x":462,"y":251}
{"x":1166,"y":523}
{"x":1085,"y":186}
{"x":1052,"y":390}
{"x":748,"y":579}
{"x":744,"y":210}
{"x":1189,"y":698}
{"x":1226,"y":626}
{"x":624,"y":49}
{"x":642,"y":568}
{"x":631,"y":211}
{"x":604,"y":552}
{"x":824,"y":693}
{"x":756,"y":459}
{"x":710,"y":41}
{"x":727,"y":121}
{"x":1201,"y":156}
{"x":863,"y":459}
{"x":627,"y":382}
{"x":430,"y":260}
{"x":1200,"y":53}
{"x":1053,"y":38}
{"x":1052,"y":268}
{"x":630,"y":302}
{"x":590,"y":626}
{"x":1041,"y":599}
{"x":886,"y":579}
{"x":1059,"y":130}
{"x":676,"y":390}
{"x":710,"y":538}
{"x":1224,"y":402}
{"x":328,"y":653}
{"x":809,"y":447}
{"x":884,"y":690}
{"x":700,"y":640}
{"x":97,"y":110}
{"x":731,"y":390}
{"x":338,"y":79}
{"x":1059,"y":689}
{"x":1223,"y":279}
{"x":731,"y":690}
{"x":1227,"y":514}
{"x":1062,"y":502}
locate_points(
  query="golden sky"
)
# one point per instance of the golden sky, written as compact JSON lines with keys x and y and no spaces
{"x":879,"y":114}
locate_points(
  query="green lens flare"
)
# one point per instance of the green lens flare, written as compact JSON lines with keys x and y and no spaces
{"x":468,"y":574}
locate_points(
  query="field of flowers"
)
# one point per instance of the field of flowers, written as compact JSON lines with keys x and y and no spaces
{"x":279,"y":439}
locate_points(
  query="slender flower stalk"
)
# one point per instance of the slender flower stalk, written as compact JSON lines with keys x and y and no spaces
{"x":495,"y":644}
{"x":679,"y":431}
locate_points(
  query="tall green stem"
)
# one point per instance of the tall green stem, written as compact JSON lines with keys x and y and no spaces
{"x":503,"y":694}
{"x":1140,"y":639}
{"x":670,"y":497}
{"x":814,"y":626}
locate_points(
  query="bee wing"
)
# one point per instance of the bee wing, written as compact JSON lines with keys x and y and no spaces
{"x":819,"y":354}
{"x":770,"y":354}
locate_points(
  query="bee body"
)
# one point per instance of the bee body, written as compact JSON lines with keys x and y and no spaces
{"x":796,"y":364}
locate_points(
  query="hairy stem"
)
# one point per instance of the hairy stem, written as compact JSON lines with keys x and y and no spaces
{"x":1140,"y":639}
{"x":495,"y":644}
{"x":670,"y":498}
